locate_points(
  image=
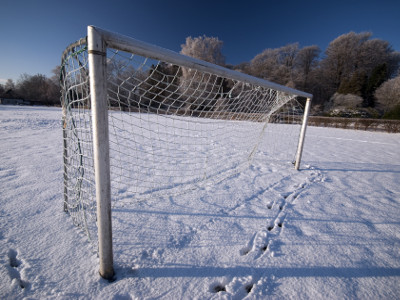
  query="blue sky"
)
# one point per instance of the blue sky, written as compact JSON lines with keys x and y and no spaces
{"x":34,"y":33}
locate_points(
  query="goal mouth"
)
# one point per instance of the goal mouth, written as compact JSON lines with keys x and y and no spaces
{"x":172,"y":123}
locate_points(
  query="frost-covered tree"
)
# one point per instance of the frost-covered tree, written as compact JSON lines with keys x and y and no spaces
{"x":264,"y":64}
{"x":243,"y":67}
{"x":201,"y":90}
{"x":388,"y":94}
{"x":349,"y":101}
{"x":306,"y":63}
{"x":204,"y":48}
{"x":351,"y":59}
{"x":276,"y":65}
{"x":340,"y":58}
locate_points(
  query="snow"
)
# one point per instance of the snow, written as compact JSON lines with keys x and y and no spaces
{"x":329,"y":231}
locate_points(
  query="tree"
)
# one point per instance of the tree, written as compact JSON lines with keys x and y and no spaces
{"x":123,"y":84}
{"x":56,"y":75}
{"x":377,"y":53}
{"x":355,"y":85}
{"x":341,"y":59}
{"x":199,"y":89}
{"x":263,"y":65}
{"x":306,"y":63}
{"x":388,"y":94}
{"x":2,"y":90}
{"x":38,"y":87}
{"x":243,"y":67}
{"x":276,"y":65}
{"x":350,"y":61}
{"x":9,"y":86}
{"x":289,"y":65}
{"x":378,"y":76}
{"x":204,"y":48}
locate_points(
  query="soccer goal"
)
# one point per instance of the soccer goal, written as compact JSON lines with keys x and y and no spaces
{"x":142,"y":122}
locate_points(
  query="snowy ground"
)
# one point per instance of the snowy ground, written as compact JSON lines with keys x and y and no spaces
{"x":330,"y":231}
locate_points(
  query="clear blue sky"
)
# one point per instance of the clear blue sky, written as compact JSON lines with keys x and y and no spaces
{"x":34,"y":33}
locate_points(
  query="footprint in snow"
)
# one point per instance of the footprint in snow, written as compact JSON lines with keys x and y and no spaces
{"x":14,"y":266}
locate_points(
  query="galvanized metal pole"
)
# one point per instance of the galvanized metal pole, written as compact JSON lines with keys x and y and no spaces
{"x":302,"y":134}
{"x":98,"y":93}
{"x":65,"y":155}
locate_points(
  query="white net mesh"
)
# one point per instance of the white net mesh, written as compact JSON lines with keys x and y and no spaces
{"x":172,"y":130}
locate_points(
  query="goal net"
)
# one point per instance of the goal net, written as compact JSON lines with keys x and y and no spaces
{"x":175,"y":125}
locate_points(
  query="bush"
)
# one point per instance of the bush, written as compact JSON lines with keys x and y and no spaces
{"x":388,"y":94}
{"x":393,"y":114}
{"x":365,"y":124}
{"x":391,"y":126}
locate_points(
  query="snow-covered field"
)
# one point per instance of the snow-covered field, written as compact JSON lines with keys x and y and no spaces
{"x":330,"y":231}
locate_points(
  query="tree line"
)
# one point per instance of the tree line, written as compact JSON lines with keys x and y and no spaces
{"x":357,"y":75}
{"x":36,"y":88}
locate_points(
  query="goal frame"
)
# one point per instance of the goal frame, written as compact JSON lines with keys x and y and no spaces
{"x":98,"y":40}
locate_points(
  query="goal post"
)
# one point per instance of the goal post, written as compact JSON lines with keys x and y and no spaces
{"x":101,"y":149}
{"x":302,"y":134}
{"x":147,"y":121}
